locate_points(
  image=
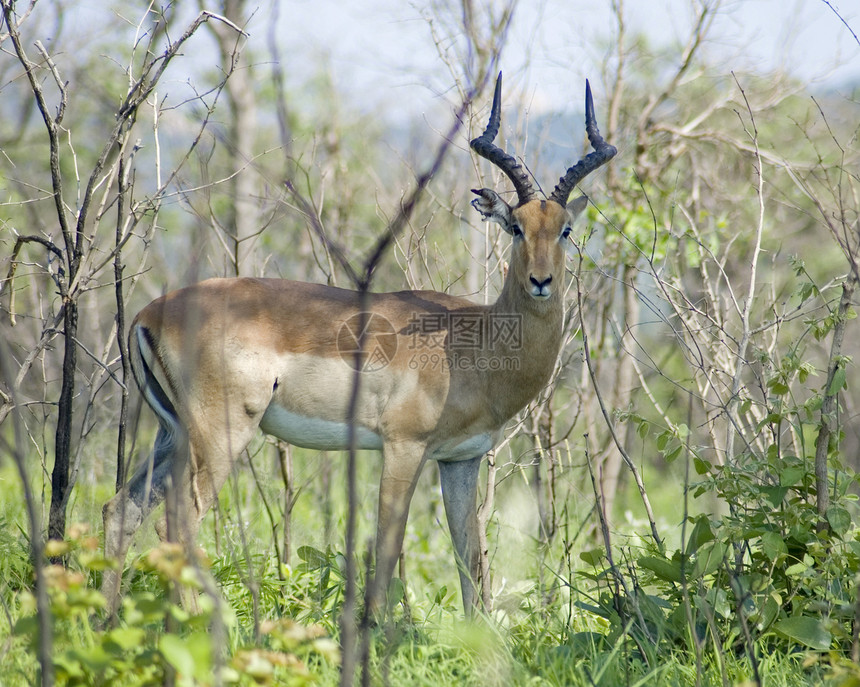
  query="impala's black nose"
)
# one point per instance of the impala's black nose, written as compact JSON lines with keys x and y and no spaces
{"x":541,"y":284}
{"x":540,"y":287}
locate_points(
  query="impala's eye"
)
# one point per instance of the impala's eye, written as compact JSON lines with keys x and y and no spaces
{"x":565,"y":233}
{"x":516,"y":230}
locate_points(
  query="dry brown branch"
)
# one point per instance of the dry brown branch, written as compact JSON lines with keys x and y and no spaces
{"x":610,"y":425}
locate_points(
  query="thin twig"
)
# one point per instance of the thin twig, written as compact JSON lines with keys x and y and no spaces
{"x":611,"y":426}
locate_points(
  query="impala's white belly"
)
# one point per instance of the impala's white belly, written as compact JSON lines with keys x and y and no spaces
{"x":311,"y":432}
{"x":322,"y":435}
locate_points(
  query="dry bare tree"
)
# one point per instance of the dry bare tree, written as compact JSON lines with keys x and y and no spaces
{"x":89,"y":194}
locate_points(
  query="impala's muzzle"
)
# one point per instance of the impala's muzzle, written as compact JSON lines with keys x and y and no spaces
{"x":540,"y":288}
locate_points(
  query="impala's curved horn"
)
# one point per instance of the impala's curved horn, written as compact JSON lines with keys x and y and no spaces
{"x":603,"y":153}
{"x":484,"y":146}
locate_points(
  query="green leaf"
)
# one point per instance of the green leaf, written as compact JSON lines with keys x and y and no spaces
{"x":772,"y":452}
{"x":93,"y":658}
{"x":667,"y":570}
{"x":804,"y":371}
{"x":777,"y":386}
{"x":838,"y":381}
{"x":674,"y":453}
{"x":839,"y":519}
{"x":127,"y":638}
{"x":313,"y":557}
{"x":199,"y":645}
{"x":773,"y":545}
{"x":774,"y":494}
{"x":702,"y":466}
{"x":176,"y":653}
{"x":791,"y":475}
{"x":719,"y":601}
{"x":396,"y":591}
{"x":769,"y":611}
{"x":28,"y":626}
{"x":797,"y":569}
{"x":810,"y":632}
{"x":593,"y":557}
{"x":806,"y":290}
{"x":709,"y":559}
{"x":701,"y":534}
{"x":595,"y":610}
{"x":68,"y":666}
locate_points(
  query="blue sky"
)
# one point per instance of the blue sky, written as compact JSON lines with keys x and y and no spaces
{"x":382,"y":54}
{"x":383,"y":47}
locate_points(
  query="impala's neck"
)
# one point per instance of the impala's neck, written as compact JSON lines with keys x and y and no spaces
{"x":533,"y":352}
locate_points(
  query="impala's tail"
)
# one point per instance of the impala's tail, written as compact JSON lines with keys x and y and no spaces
{"x":149,"y":373}
{"x":159,"y":389}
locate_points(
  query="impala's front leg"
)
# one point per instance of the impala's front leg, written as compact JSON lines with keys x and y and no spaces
{"x":459,"y":493}
{"x":401,"y":466}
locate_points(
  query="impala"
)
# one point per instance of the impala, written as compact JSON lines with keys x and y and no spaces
{"x":441,"y":376}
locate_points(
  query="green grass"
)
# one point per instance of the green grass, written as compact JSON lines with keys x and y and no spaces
{"x":543,"y":631}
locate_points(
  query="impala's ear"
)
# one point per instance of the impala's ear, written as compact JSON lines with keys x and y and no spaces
{"x":492,"y":207}
{"x":576,"y":206}
{"x":574,"y":210}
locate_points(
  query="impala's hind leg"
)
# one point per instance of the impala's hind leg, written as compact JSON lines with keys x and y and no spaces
{"x":459,"y":494}
{"x":198,"y":480}
{"x":125,"y":512}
